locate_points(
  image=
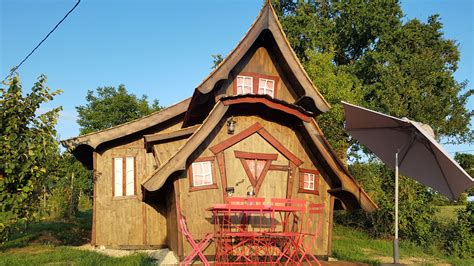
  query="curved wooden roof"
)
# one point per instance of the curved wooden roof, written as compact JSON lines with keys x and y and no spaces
{"x":266,"y":20}
{"x":178,"y":161}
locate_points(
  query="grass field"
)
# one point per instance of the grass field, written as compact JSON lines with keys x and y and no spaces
{"x":357,"y":246}
{"x":54,"y":242}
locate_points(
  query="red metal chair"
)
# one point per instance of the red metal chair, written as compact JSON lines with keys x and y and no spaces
{"x":285,"y":240}
{"x":311,"y":230}
{"x":241,"y":245}
{"x":198,"y":247}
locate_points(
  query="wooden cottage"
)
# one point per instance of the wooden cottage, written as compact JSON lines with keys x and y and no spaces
{"x":250,"y":125}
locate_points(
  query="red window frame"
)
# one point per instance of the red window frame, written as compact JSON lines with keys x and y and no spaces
{"x":256,"y":80}
{"x":213,"y":173}
{"x":317,"y":176}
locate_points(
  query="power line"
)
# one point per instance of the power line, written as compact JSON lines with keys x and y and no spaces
{"x":41,"y":42}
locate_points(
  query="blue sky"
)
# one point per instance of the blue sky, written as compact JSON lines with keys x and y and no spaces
{"x":158,"y":48}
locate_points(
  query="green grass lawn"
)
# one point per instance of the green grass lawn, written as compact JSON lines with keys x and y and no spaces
{"x":352,"y":245}
{"x":52,"y":242}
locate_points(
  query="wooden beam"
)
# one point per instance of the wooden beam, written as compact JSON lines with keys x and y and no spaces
{"x":222,"y":171}
{"x":170,"y":135}
{"x":282,"y":149}
{"x":94,"y":199}
{"x":236,"y":138}
{"x":178,"y":161}
{"x":331,"y":214}
{"x":96,"y":138}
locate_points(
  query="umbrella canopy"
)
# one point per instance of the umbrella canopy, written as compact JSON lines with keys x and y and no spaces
{"x":419,"y":154}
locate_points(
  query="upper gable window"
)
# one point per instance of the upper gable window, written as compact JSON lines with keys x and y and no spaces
{"x":244,"y":85}
{"x":255,"y":83}
{"x":266,"y":86}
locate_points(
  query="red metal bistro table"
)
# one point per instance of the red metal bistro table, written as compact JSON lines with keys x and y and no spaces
{"x":251,"y":233}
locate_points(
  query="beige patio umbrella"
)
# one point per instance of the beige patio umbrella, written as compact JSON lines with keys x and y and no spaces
{"x":409,"y":147}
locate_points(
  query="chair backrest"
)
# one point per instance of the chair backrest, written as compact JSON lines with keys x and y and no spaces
{"x":245,"y":200}
{"x":314,"y":219}
{"x":300,"y":204}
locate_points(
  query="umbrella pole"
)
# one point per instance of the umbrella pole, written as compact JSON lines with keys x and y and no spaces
{"x":396,"y":256}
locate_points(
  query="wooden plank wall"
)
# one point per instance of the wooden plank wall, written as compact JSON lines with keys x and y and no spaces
{"x":194,"y":203}
{"x":125,"y":222}
{"x":259,"y":61}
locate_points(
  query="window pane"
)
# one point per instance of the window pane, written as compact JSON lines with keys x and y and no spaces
{"x":130,"y":176}
{"x":308,"y":181}
{"x":248,"y":81}
{"x":244,"y":85}
{"x":118,"y":177}
{"x":202,"y":173}
{"x":266,"y":86}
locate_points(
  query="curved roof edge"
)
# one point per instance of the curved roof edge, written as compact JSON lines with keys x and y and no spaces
{"x":266,"y":20}
{"x":94,"y":139}
{"x":349,"y":184}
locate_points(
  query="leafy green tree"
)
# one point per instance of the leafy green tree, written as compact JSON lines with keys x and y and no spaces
{"x":29,"y":150}
{"x":466,"y":161}
{"x":112,"y":106}
{"x":216,"y":60}
{"x":403,"y":68}
{"x":410,"y":74}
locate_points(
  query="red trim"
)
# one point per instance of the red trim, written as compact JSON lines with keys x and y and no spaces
{"x":258,"y":156}
{"x":236,"y":138}
{"x":248,"y":172}
{"x":213,"y":170}
{"x":275,"y":143}
{"x":278,"y":167}
{"x":256,"y":181}
{"x":257,"y":127}
{"x":317,"y":176}
{"x":270,"y":104}
{"x":255,"y":81}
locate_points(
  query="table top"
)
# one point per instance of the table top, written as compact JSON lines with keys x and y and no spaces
{"x":221,"y":207}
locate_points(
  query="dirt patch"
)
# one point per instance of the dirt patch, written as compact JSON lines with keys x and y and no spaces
{"x":46,"y":238}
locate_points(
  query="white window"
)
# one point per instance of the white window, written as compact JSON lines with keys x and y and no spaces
{"x":244,"y":85}
{"x":308,"y":181}
{"x":266,"y":86}
{"x":124,"y":176}
{"x":202,"y":173}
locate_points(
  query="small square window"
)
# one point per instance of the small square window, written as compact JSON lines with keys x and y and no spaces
{"x":244,"y":85}
{"x":266,"y":86}
{"x":202,"y":174}
{"x":309,"y":181}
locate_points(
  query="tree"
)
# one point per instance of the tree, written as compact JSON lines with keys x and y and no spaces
{"x":29,"y":150}
{"x":216,"y":60}
{"x":466,"y":161}
{"x":112,"y":106}
{"x":404,"y":69}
